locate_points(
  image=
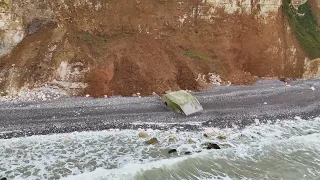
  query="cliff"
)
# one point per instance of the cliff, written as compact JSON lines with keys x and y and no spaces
{"x":120,"y":47}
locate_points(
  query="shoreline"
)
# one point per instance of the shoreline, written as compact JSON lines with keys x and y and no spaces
{"x":49,"y":92}
{"x":224,"y":106}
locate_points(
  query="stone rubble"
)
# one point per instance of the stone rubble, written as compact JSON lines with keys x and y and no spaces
{"x":44,"y":93}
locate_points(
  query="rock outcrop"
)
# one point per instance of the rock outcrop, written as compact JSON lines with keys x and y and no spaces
{"x":312,"y":69}
{"x":125,"y":47}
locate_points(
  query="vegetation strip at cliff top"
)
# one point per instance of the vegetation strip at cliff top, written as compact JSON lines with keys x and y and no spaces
{"x":305,"y":27}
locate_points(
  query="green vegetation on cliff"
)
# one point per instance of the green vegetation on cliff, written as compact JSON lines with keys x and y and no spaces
{"x":305,"y":27}
{"x":94,"y":39}
{"x":192,"y":54}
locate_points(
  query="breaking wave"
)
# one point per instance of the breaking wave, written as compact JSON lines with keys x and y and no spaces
{"x":282,"y":150}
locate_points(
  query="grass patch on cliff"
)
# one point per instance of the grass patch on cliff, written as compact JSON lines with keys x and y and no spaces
{"x":305,"y":27}
{"x":200,"y":56}
{"x":96,"y":40}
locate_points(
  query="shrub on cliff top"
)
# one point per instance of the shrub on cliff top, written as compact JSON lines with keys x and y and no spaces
{"x":305,"y":27}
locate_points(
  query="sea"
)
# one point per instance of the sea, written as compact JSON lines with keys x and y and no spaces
{"x":286,"y":149}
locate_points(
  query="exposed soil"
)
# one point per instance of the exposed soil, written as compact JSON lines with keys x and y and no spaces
{"x":145,"y":65}
{"x":140,"y":47}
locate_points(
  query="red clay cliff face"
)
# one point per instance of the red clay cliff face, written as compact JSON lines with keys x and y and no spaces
{"x":145,"y":65}
{"x":127,"y":47}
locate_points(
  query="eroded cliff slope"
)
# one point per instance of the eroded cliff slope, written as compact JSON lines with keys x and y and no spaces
{"x":121,"y":47}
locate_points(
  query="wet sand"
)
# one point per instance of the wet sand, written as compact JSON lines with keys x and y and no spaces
{"x":223,"y":107}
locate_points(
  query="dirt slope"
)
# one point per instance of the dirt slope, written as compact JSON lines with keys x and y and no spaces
{"x":126,"y":47}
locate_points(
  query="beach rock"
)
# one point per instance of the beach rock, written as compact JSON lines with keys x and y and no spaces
{"x":209,"y":145}
{"x":187,"y":153}
{"x":287,"y":80}
{"x":312,"y":69}
{"x":213,"y":134}
{"x":171,"y":151}
{"x":152,"y":141}
{"x":4,"y":178}
{"x":222,"y":137}
{"x":207,"y":134}
{"x":172,"y":139}
{"x":191,"y":141}
{"x":143,"y":134}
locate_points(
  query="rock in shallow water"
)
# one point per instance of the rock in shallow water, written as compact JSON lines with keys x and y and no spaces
{"x":191,"y":141}
{"x":172,"y":139}
{"x":207,"y":134}
{"x":152,"y":141}
{"x":171,"y":151}
{"x":210,"y":145}
{"x":222,"y":137}
{"x":143,"y":134}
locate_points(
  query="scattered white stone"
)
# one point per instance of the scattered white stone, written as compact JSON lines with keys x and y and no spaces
{"x":213,"y":78}
{"x":43,"y":96}
{"x":87,"y":95}
{"x":105,"y":96}
{"x":257,"y":122}
{"x":265,"y":103}
{"x":36,"y":94}
{"x":312,"y":88}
